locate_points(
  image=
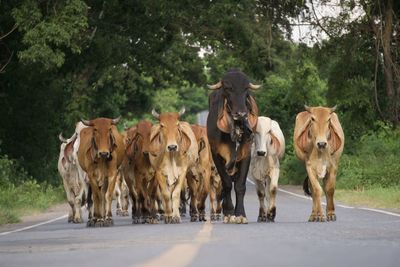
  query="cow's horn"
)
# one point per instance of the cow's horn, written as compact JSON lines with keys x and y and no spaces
{"x":86,"y":122}
{"x":155,"y":114}
{"x":182,"y":111}
{"x":116,"y":120}
{"x":333,"y":109}
{"x":62,"y":139}
{"x":307,"y":108}
{"x":215,"y":86}
{"x":254,"y":86}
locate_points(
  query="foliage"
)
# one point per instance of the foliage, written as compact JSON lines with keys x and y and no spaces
{"x":21,"y":194}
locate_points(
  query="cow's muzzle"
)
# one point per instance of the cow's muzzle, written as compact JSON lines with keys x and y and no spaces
{"x":172,"y":148}
{"x":321,"y":145}
{"x":261,"y":153}
{"x":239,"y":116}
{"x":104,"y":155}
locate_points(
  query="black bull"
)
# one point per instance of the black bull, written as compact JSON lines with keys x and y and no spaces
{"x":230,"y":124}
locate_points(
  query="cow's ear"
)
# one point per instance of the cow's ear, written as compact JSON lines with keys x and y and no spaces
{"x":336,"y":134}
{"x":278,"y":140}
{"x":224,"y":120}
{"x":301,"y":133}
{"x":186,"y":142}
{"x":130,"y":142}
{"x":113,"y":143}
{"x":92,"y":150}
{"x":253,"y":112}
{"x":155,"y":139}
{"x":69,"y":148}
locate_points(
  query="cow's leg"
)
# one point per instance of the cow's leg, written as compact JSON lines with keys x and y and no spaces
{"x":204,"y":193}
{"x":317,"y":214}
{"x":166,"y":197}
{"x":70,"y":199}
{"x":261,"y":190}
{"x":153,"y":187}
{"x":78,"y":200}
{"x":227,"y":205}
{"x":329,"y":188}
{"x":240,"y":190}
{"x":193,"y":191}
{"x":118,"y":197}
{"x":125,"y":199}
{"x":213,"y":203}
{"x":176,"y":197}
{"x":112,"y":179}
{"x":272,"y":184}
{"x":219,"y":202}
{"x":96,"y":216}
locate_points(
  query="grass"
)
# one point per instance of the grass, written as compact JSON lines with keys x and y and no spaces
{"x":27,"y":198}
{"x":375,"y":197}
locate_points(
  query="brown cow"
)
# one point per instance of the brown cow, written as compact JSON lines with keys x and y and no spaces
{"x":139,"y":174}
{"x":318,"y":141}
{"x":173,"y":149}
{"x":198,"y":177}
{"x":100,"y":154}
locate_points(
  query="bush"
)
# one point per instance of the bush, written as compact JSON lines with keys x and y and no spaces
{"x":20,"y":194}
{"x":374,"y":162}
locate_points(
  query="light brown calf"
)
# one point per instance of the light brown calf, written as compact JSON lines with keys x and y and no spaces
{"x":318,"y":141}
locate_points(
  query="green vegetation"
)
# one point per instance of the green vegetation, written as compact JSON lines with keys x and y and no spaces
{"x":62,"y":60}
{"x":21,"y":195}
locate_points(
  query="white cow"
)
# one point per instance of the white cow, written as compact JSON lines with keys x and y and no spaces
{"x":74,"y":178}
{"x":268,"y":149}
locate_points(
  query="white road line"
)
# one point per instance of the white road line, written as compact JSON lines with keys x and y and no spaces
{"x":342,"y":206}
{"x":35,"y":225}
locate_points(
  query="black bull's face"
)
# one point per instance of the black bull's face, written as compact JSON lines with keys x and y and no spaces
{"x":235,"y":87}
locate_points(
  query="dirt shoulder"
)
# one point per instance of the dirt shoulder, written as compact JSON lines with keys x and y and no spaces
{"x":37,"y":217}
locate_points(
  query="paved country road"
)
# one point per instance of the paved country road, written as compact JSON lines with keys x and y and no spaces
{"x":358,"y":238}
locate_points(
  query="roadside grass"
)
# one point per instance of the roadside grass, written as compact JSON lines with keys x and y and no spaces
{"x":375,"y":197}
{"x":27,"y":198}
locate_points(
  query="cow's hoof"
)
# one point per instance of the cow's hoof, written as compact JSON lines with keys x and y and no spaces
{"x":176,"y":219}
{"x":241,"y":220}
{"x":99,"y":223}
{"x":108,"y":222}
{"x":153,"y":221}
{"x":317,"y":218}
{"x":331,"y":218}
{"x":213,"y":217}
{"x":229,"y":219}
{"x":194,"y":218}
{"x":70,"y":219}
{"x":202,"y":217}
{"x":218,"y":217}
{"x":135,"y":220}
{"x":271,"y":215}
{"x":261,"y":218}
{"x":91,"y":223}
{"x":168,"y":219}
{"x":119,"y":212}
{"x":78,"y":220}
{"x":123,"y":213}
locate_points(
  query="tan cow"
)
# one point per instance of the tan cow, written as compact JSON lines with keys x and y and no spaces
{"x":269,"y":148}
{"x":318,"y":141}
{"x":215,"y":194}
{"x":173,"y":149}
{"x":100,"y":155}
{"x":139,"y":174}
{"x":198,"y":176}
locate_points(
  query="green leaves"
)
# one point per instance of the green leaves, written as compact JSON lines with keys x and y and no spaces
{"x":51,"y":33}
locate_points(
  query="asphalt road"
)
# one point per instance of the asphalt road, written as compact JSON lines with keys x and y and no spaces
{"x":358,"y":238}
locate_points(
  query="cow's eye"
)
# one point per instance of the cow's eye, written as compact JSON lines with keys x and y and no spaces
{"x":313,"y":118}
{"x":162,"y":125}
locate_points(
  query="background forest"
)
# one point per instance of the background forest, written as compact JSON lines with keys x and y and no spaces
{"x":62,"y":60}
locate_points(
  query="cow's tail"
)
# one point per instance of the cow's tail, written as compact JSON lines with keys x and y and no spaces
{"x":306,"y":186}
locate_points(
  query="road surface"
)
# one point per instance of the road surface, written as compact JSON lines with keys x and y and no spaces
{"x":358,"y":238}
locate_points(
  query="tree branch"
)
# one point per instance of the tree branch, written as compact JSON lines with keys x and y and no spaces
{"x":8,"y":61}
{"x":8,"y":33}
{"x":318,"y":22}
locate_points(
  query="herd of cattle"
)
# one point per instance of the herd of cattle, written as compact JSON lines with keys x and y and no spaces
{"x":158,"y":167}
